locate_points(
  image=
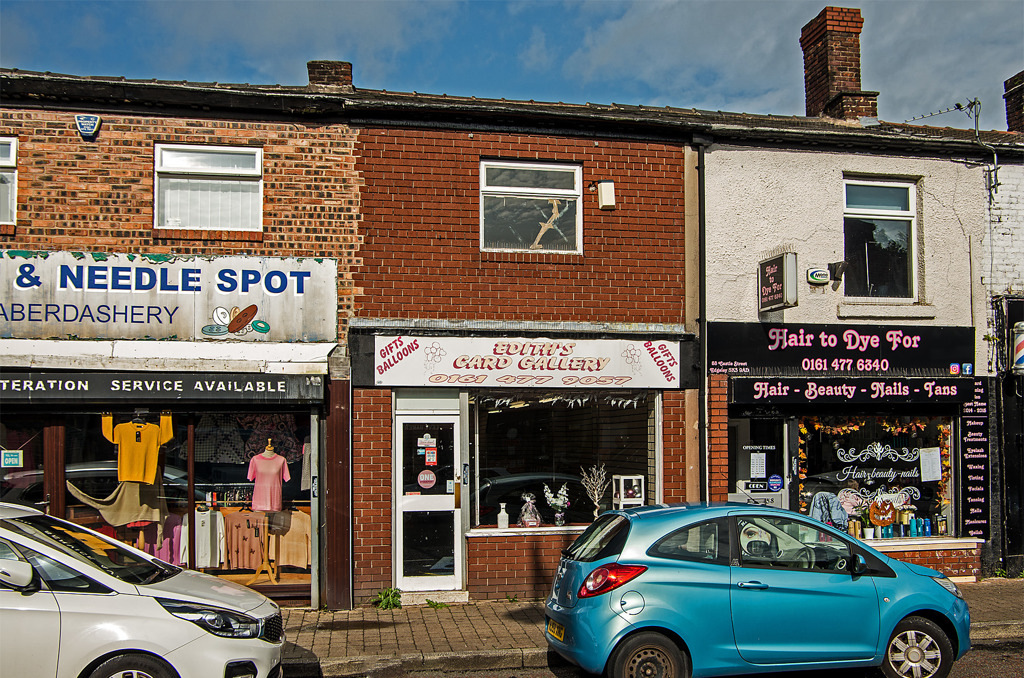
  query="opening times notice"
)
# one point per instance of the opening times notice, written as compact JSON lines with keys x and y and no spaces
{"x":975,"y":471}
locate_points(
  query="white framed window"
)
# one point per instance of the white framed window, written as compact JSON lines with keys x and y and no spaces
{"x":530,"y":207}
{"x":209,"y":188}
{"x":8,"y":180}
{"x":880,"y":233}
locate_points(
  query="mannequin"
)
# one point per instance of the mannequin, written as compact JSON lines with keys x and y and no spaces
{"x":269,"y":470}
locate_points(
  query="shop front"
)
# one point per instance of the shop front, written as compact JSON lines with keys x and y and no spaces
{"x":881,"y":431}
{"x":203,"y":448}
{"x":506,"y":447}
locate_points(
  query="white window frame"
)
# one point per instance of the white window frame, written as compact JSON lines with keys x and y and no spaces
{"x":524,"y":192}
{"x":10,"y":168}
{"x":909,"y":214}
{"x":165,"y":170}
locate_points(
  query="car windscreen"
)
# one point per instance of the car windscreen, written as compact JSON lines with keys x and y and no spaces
{"x":605,"y":537}
{"x":88,"y":547}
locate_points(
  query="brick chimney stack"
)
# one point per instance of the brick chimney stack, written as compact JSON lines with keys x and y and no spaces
{"x":1014,"y":97}
{"x":330,"y":73}
{"x":831,"y":45}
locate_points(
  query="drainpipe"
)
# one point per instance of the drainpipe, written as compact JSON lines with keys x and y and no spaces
{"x":702,"y":142}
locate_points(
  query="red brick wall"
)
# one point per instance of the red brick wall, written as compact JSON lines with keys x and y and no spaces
{"x":97,"y":196}
{"x":718,"y":436}
{"x":517,"y":565}
{"x":674,"y":446}
{"x":952,"y":562}
{"x":372,"y":493}
{"x":421,"y":219}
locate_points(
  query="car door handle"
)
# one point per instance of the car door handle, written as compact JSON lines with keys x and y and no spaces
{"x":752,"y":585}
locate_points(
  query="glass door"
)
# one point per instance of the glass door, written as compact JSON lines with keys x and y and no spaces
{"x":758,"y":468}
{"x":428,"y":505}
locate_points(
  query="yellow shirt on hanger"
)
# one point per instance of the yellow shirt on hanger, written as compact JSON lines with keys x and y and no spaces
{"x":138,"y":447}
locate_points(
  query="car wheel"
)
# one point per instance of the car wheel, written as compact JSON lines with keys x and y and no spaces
{"x":649,"y":655}
{"x":134,"y":666}
{"x":918,"y":648}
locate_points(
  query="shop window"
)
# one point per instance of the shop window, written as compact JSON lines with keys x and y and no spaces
{"x":209,"y":188}
{"x":8,"y":180}
{"x":877,"y":476}
{"x":530,"y":207}
{"x":127,"y":477}
{"x":880,"y":227}
{"x":523,"y":442}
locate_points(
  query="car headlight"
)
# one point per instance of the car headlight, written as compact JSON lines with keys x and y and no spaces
{"x":214,"y":620}
{"x":949,"y":586}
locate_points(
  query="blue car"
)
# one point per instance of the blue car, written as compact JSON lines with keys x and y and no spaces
{"x":726,"y":589}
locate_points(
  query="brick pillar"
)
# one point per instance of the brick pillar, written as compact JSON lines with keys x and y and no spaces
{"x":1014,"y":98}
{"x":831,"y":46}
{"x":332,"y":73}
{"x":718,"y":437}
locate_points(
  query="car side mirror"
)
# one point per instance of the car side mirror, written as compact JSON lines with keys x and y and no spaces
{"x":859,"y":565}
{"x":19,"y":575}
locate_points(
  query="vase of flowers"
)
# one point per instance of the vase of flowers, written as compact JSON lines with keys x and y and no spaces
{"x":558,"y":501}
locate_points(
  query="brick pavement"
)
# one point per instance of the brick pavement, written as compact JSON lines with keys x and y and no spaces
{"x":508,"y":635}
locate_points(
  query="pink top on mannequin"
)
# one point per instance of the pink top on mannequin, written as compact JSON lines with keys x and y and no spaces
{"x":269,"y":470}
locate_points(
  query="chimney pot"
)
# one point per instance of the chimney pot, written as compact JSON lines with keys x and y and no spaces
{"x":831,"y":46}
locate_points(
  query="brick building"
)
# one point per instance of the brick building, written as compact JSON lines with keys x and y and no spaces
{"x":158,"y":260}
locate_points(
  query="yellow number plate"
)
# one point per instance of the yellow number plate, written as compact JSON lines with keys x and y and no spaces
{"x":556,"y":630}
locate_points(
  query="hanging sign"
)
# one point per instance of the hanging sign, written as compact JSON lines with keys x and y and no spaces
{"x":776,"y":282}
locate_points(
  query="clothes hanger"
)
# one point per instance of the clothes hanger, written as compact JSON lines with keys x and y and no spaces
{"x":140,"y":416}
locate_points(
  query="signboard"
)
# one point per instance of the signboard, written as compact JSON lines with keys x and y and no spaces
{"x":12,"y":458}
{"x":975,"y":471}
{"x":849,"y":390}
{"x":839,"y":350}
{"x":158,"y":387}
{"x":56,"y":295}
{"x":776,"y":283}
{"x":519,"y":362}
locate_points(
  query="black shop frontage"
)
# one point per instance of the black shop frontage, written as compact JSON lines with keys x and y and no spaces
{"x":880,"y":430}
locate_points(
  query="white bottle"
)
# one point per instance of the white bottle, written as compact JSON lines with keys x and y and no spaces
{"x":502,"y":518}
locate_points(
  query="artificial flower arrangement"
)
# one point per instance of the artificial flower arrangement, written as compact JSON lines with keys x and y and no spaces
{"x":559,"y":502}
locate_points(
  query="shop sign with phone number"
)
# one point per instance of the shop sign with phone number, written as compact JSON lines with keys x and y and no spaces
{"x":519,"y":362}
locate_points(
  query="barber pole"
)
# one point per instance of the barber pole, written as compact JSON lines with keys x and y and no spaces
{"x":1018,"y":349}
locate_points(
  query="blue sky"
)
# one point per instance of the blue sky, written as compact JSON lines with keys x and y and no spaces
{"x":922,"y":56}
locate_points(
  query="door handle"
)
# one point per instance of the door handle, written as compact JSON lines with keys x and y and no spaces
{"x":752,"y":585}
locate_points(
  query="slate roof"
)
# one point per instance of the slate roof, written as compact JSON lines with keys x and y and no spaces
{"x":357,"y":106}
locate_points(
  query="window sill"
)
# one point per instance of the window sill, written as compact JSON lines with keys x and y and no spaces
{"x":521,"y":531}
{"x":848,"y":309}
{"x":181,"y":234}
{"x":923,"y":543}
{"x":532,"y":257}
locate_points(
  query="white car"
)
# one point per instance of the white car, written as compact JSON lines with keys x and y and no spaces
{"x":74,"y":603}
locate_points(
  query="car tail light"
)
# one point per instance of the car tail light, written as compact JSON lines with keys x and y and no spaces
{"x":608,"y":577}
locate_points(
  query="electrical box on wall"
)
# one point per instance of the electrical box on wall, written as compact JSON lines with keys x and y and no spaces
{"x":606,"y":195}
